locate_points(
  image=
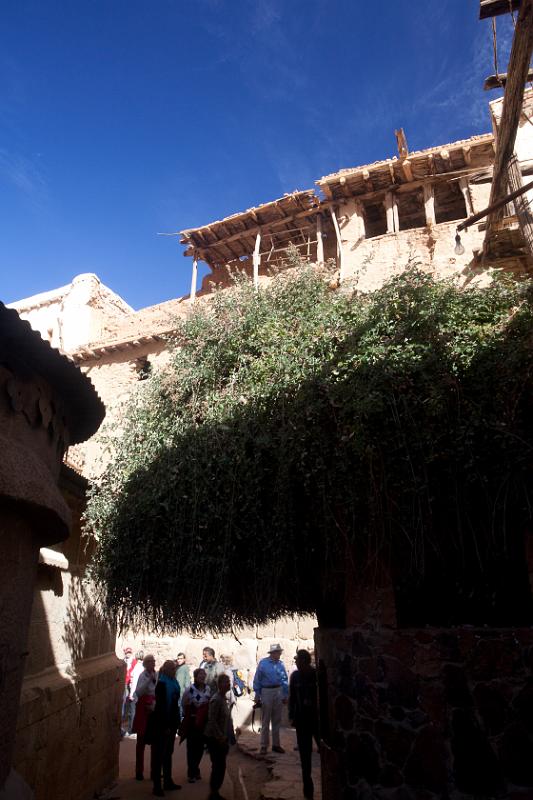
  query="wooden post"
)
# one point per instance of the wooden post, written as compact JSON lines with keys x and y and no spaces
{"x":194,"y":278}
{"x":339,"y":245}
{"x":521,"y":203}
{"x":391,"y":210}
{"x":361,"y":228}
{"x":517,"y":71}
{"x":429,"y":203}
{"x":465,"y":189}
{"x":319,"y":240}
{"x":257,"y":260}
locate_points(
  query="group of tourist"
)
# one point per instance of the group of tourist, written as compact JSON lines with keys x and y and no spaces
{"x":160,"y":705}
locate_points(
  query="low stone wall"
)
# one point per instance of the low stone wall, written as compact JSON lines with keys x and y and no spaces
{"x":68,"y":730}
{"x":426,"y":713}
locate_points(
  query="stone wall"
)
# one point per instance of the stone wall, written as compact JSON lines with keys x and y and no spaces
{"x":426,"y":713}
{"x":73,"y":681}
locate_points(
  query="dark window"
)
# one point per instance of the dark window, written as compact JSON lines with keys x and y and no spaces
{"x":375,"y":219}
{"x":449,"y":202}
{"x":411,"y":212}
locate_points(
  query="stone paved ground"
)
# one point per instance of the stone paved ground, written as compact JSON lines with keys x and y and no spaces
{"x":285,"y":774}
{"x":128,"y":788}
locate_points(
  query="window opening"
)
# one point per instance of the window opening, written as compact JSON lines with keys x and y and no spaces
{"x":449,"y":202}
{"x":411,"y":211}
{"x":375,"y":219}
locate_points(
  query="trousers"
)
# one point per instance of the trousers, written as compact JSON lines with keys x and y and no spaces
{"x":271,"y":708}
{"x":306,"y":731}
{"x":218,"y":753}
{"x":162,"y":749}
{"x":195,"y":751}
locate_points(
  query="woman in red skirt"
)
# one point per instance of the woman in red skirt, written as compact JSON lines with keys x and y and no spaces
{"x":144,"y":697}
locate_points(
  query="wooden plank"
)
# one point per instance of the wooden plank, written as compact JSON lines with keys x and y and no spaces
{"x":521,"y":50}
{"x":493,"y":8}
{"x":497,"y":81}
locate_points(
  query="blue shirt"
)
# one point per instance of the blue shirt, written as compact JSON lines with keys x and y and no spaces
{"x":271,"y":673}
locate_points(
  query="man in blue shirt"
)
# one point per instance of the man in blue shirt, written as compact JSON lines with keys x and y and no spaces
{"x":271,"y":687}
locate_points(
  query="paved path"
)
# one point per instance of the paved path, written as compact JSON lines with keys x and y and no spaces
{"x":284,"y":769}
{"x":130,"y":789}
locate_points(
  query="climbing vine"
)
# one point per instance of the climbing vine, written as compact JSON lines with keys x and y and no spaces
{"x":300,"y":434}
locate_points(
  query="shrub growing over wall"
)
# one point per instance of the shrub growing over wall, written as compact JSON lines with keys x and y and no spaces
{"x":300,"y":433}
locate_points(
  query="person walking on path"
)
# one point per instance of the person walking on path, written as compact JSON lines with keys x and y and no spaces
{"x":271,"y":689}
{"x":164,"y":722}
{"x":144,"y":698}
{"x":303,"y":714}
{"x":195,"y":707}
{"x":213,"y":668}
{"x":216,"y":733}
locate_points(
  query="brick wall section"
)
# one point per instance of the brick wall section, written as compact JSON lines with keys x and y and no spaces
{"x":427,"y":713}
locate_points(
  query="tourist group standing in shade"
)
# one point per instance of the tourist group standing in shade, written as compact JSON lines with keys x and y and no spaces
{"x":158,"y":706}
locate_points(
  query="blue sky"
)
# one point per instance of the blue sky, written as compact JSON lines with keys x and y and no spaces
{"x":120,"y":119}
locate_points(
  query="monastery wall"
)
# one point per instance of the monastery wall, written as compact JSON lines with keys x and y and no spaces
{"x":73,"y":681}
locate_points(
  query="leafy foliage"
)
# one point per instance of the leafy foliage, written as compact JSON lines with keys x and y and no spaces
{"x":301,"y":435}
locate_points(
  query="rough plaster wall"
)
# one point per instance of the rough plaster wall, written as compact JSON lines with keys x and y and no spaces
{"x":245,"y":648}
{"x":115,"y":377}
{"x":370,"y":262}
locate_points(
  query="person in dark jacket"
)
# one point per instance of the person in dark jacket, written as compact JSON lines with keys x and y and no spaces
{"x":303,"y":714}
{"x":164,"y":721}
{"x":216,"y":734}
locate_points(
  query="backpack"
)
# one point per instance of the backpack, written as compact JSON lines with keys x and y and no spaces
{"x":238,"y":684}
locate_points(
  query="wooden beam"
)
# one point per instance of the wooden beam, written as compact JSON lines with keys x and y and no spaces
{"x":339,"y":244}
{"x":361,"y":227}
{"x":407,"y":171}
{"x":498,"y":204}
{"x":345,"y":190}
{"x":493,"y":8}
{"x":429,"y":203}
{"x":391,"y":210}
{"x":521,"y":50}
{"x":521,"y":203}
{"x":194,"y":278}
{"x":497,"y":81}
{"x":369,"y":186}
{"x":445,"y":155}
{"x":464,"y":186}
{"x":319,"y":240}
{"x":257,"y":260}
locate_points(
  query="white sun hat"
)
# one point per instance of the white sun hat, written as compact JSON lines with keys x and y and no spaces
{"x":275,"y":648}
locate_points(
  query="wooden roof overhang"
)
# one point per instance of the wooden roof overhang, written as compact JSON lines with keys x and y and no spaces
{"x":234,"y":237}
{"x":436,"y":163}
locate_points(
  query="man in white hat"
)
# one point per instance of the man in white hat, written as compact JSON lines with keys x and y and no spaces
{"x":271,"y":687}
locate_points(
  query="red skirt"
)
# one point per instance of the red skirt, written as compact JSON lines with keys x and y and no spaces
{"x":143,"y":709}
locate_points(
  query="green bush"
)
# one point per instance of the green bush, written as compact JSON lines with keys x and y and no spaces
{"x":301,"y":435}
